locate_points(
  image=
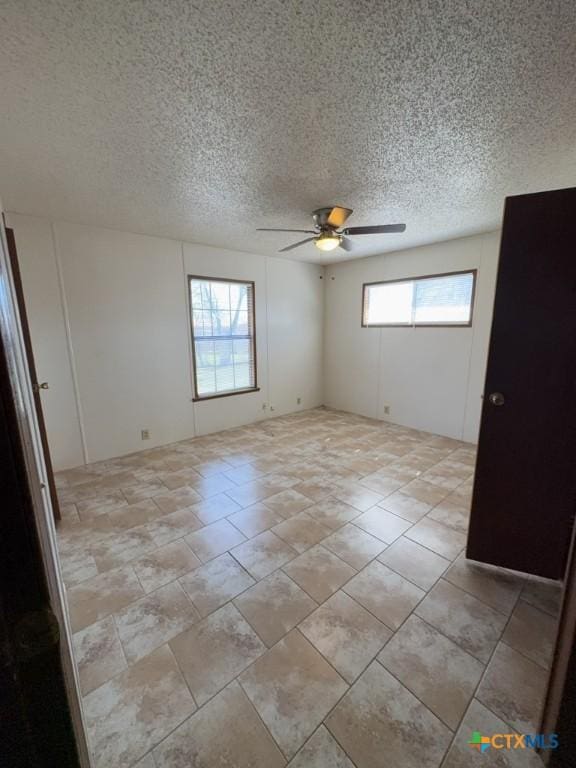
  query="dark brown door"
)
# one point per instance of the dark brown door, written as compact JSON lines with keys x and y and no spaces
{"x":525,"y":488}
{"x":36,"y":385}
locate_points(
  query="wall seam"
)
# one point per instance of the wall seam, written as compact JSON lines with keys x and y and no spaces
{"x":69,"y":344}
{"x":471,"y":352}
{"x":191,"y":361}
{"x":266,"y":292}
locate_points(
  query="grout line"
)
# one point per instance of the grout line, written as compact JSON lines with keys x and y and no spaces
{"x":69,"y":345}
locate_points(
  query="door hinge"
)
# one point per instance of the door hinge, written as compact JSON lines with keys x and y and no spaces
{"x":36,"y":633}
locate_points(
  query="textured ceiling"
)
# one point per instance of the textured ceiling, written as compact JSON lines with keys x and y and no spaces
{"x":205,"y":119}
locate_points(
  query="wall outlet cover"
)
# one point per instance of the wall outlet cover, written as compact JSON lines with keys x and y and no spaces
{"x":386,"y":410}
{"x":145,"y":434}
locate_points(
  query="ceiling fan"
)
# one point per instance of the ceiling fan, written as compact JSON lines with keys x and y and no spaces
{"x":328,"y":233}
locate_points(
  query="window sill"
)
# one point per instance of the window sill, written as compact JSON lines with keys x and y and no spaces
{"x":225,"y":394}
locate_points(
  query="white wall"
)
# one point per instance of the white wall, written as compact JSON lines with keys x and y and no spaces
{"x":431,"y":378}
{"x":111,"y":333}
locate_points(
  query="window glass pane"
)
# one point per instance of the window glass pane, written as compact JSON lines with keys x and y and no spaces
{"x":239,"y":323}
{"x":241,"y":351}
{"x":441,"y":300}
{"x":389,"y":303}
{"x":225,"y":378}
{"x":444,"y":299}
{"x":206,"y":380}
{"x":223,"y":335}
{"x":242,"y":378}
{"x":238,"y":297}
{"x":220,"y":295}
{"x":202,"y":320}
{"x":204,"y":353}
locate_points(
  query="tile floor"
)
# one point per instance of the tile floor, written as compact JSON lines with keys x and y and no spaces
{"x":295,"y":593}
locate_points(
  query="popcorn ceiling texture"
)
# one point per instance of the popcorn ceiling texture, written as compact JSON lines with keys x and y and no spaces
{"x":204,"y":120}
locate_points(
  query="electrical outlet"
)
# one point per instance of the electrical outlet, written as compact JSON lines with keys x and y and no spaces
{"x":264,"y":406}
{"x":145,"y":434}
{"x":299,"y":401}
{"x":386,"y":410}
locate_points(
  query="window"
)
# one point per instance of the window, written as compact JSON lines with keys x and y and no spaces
{"x":223,"y":341}
{"x":433,"y":300}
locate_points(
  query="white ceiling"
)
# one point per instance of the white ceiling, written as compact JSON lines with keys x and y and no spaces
{"x":205,"y":119}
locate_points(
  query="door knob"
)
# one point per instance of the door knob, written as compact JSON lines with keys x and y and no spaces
{"x":496,"y":398}
{"x":44,"y":385}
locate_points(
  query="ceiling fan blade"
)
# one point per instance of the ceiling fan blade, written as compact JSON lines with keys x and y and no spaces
{"x":307,"y":231}
{"x":381,"y":229}
{"x":338,"y":216}
{"x":346,"y":244}
{"x":296,"y":245}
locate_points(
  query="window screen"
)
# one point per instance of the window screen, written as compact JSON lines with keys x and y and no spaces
{"x":434,"y":300}
{"x":222,"y":336}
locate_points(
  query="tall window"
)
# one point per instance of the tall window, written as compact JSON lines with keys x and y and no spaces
{"x":433,"y":300}
{"x":223,"y":337}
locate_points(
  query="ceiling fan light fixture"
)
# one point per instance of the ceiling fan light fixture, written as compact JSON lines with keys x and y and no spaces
{"x":327,"y":241}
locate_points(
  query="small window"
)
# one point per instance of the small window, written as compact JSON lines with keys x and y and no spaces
{"x":427,"y":301}
{"x":223,"y":340}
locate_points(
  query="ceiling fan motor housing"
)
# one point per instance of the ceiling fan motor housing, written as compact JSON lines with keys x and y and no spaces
{"x":320,"y":216}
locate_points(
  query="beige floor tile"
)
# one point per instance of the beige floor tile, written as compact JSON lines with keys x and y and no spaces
{"x":451,"y":515}
{"x":173,"y":526}
{"x":100,"y":596}
{"x":381,"y":724}
{"x":288,"y":502}
{"x":514,"y":688}
{"x":444,"y":541}
{"x":134,"y":711}
{"x":471,"y":624}
{"x":250,"y":493}
{"x":214,"y":485}
{"x":405,"y":506}
{"x":381,"y":483}
{"x":319,"y":572}
{"x":131,"y":515}
{"x":120,"y":547}
{"x":461,"y":755}
{"x":101,"y":504}
{"x":255,"y":519}
{"x":388,"y":596}
{"x":215,"y":583}
{"x":165,"y":564}
{"x":382,"y":524}
{"x":419,"y":565}
{"x":146,"y":762}
{"x":152,"y":621}
{"x":215,"y":651}
{"x":425,"y":492}
{"x":274,"y":606}
{"x":293,"y":688}
{"x":214,"y":508}
{"x":532,"y":632}
{"x":244,"y":474}
{"x":321,"y":751}
{"x":332,"y":513}
{"x":301,"y":531}
{"x":545,"y":595}
{"x":354,"y":546}
{"x":493,"y":586}
{"x":172,"y":501}
{"x":214,"y":540}
{"x":98,"y":653}
{"x":436,"y":670}
{"x":74,"y":576}
{"x":345,"y":634}
{"x":263,"y":554}
{"x":314,"y":490}
{"x":357,"y":496}
{"x":225,"y":732}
